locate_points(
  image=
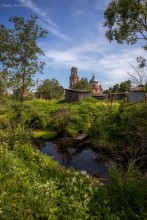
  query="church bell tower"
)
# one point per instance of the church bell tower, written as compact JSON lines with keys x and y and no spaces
{"x":73,"y":77}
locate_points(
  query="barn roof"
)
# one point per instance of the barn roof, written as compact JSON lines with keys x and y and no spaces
{"x":137,"y":89}
{"x":118,"y":93}
{"x":79,"y":91}
{"x":100,"y":95}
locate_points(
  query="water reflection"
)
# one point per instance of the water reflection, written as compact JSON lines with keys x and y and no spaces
{"x":78,"y":158}
{"x":65,"y":154}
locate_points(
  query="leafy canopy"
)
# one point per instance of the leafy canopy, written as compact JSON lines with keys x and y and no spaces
{"x":126,"y":21}
{"x":19,"y":52}
{"x":122,"y":87}
{"x":82,"y":84}
{"x":3,"y":82}
{"x":50,"y":89}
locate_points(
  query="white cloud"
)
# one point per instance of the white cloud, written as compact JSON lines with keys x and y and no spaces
{"x":109,"y":65}
{"x":46,"y":21}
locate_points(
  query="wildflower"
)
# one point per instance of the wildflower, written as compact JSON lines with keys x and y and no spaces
{"x":83,"y":172}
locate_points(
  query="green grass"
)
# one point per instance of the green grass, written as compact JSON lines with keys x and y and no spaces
{"x":44,"y":135}
{"x":41,"y":105}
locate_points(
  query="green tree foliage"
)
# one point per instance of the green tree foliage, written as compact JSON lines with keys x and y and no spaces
{"x":115,"y":88}
{"x":82,"y":84}
{"x":51,"y":89}
{"x":122,"y":87}
{"x":19,"y":51}
{"x":125,"y":86}
{"x":126,"y":21}
{"x":141,"y":62}
{"x":3,"y":82}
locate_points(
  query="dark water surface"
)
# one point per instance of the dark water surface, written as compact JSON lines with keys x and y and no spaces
{"x":89,"y":160}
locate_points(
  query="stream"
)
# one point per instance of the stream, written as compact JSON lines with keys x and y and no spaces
{"x":79,"y":158}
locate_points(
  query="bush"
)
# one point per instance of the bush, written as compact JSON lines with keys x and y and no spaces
{"x":59,"y":120}
{"x":36,"y":121}
{"x":127,"y":194}
{"x":71,"y":130}
{"x":15,"y":134}
{"x":78,"y":123}
{"x":4,"y":122}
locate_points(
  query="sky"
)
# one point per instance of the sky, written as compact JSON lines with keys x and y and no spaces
{"x":76,"y":38}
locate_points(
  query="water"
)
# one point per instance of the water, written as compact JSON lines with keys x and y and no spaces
{"x":89,"y":160}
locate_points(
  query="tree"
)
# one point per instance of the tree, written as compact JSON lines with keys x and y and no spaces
{"x":50,"y":89}
{"x":115,"y":88}
{"x":19,"y":52}
{"x":3,"y":82}
{"x":107,"y":91}
{"x":82,"y":84}
{"x":139,"y":75}
{"x":125,"y":86}
{"x":122,"y":87}
{"x":146,"y":86}
{"x":126,"y":21}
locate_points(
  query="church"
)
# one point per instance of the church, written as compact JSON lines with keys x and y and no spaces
{"x":94,"y":84}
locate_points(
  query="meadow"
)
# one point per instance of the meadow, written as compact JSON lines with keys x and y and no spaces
{"x":34,"y":186}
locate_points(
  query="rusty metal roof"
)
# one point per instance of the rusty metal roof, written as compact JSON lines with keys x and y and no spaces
{"x":137,"y":89}
{"x":81,"y":91}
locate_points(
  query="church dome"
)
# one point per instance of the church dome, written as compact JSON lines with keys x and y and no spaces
{"x":93,"y":80}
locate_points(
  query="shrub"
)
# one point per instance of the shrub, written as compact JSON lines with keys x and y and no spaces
{"x":71,"y":130}
{"x":14,"y":134}
{"x":5,"y":105}
{"x":4,"y":121}
{"x":36,"y":121}
{"x":59,"y":121}
{"x":127,"y":194}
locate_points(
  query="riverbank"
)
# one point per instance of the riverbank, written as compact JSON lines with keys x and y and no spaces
{"x":34,"y":186}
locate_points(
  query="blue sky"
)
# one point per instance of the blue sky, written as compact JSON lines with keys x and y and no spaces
{"x":76,"y":37}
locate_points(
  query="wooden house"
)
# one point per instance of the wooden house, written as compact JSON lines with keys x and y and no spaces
{"x":117,"y":96}
{"x":100,"y":96}
{"x":72,"y":95}
{"x":136,"y":94}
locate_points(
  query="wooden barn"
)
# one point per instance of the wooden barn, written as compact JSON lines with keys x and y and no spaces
{"x":117,"y":96}
{"x":136,"y":94}
{"x":72,"y":95}
{"x":100,"y":96}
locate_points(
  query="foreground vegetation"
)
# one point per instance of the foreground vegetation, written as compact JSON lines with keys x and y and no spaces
{"x":33,"y":186}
